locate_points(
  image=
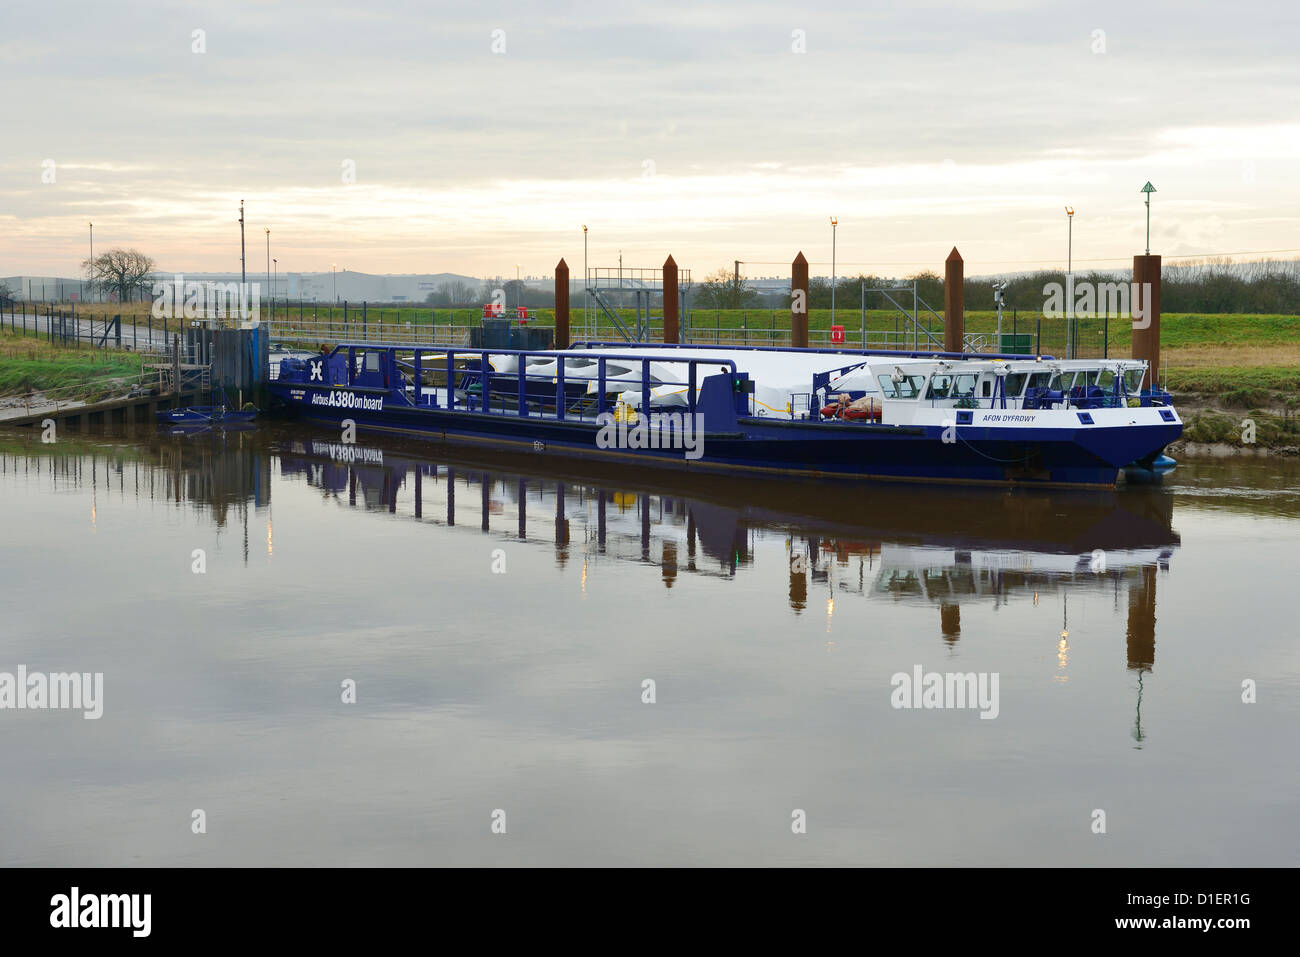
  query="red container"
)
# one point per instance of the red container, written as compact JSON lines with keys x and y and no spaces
{"x":837,"y":335}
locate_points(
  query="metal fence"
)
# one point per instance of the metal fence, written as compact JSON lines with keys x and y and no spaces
{"x":304,"y":325}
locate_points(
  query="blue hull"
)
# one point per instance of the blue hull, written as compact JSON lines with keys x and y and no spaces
{"x":204,"y":415}
{"x":815,"y":450}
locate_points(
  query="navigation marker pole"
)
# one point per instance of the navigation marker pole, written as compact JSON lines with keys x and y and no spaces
{"x":1148,"y":189}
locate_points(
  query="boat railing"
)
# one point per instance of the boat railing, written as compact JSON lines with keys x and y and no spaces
{"x":464,"y":368}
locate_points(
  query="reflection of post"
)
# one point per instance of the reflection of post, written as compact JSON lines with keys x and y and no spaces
{"x":669,"y":563}
{"x":690,"y":540}
{"x":561,"y":526}
{"x":419,"y":494}
{"x":451,"y":496}
{"x":486,"y":479}
{"x":950,"y":622}
{"x":523,"y":507}
{"x":352,"y":487}
{"x":798,"y":586}
{"x":1141,"y":636}
{"x":645,"y":528}
{"x":601,"y":498}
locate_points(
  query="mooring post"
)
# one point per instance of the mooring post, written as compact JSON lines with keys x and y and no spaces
{"x":176,"y":365}
{"x":799,"y":302}
{"x":561,"y":305}
{"x":672,"y":304}
{"x":1146,"y":327}
{"x":954,"y":303}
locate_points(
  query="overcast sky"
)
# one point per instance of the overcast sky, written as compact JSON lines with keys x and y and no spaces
{"x":690,"y":128}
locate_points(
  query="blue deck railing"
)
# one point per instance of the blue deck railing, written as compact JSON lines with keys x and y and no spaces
{"x":464,"y":368}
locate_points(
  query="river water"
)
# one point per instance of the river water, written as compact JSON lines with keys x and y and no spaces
{"x":554,"y":666}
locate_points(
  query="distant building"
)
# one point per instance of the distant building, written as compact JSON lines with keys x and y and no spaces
{"x":45,"y":288}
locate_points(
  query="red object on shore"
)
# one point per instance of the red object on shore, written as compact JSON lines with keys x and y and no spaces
{"x":837,"y":334}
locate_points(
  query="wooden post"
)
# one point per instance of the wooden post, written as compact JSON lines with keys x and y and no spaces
{"x":176,"y":365}
{"x":1146,"y":330}
{"x":562,"y":305}
{"x":954,"y":303}
{"x":799,"y":302}
{"x":672,"y":304}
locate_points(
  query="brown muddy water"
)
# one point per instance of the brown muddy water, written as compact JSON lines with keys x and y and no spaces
{"x":618,"y":669}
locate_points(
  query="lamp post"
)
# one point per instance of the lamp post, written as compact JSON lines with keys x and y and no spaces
{"x":275,"y":277}
{"x":586,"y":316}
{"x":834,"y":223}
{"x":91,"y":269}
{"x":1069,"y":283}
{"x":268,"y":258}
{"x":243,"y":271}
{"x":519,"y":296}
{"x":335,"y":278}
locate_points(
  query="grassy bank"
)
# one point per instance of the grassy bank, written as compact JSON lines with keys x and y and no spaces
{"x":28,"y":365}
{"x":1230,"y":405}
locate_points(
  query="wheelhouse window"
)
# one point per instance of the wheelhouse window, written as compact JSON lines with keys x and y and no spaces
{"x":1015,"y":384}
{"x":907,"y":387}
{"x":964,"y":386}
{"x":940,"y":387}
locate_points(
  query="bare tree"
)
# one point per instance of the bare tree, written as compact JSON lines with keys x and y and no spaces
{"x":123,"y":271}
{"x":722,"y":289}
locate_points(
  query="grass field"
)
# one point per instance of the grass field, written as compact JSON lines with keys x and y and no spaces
{"x":27,"y":365}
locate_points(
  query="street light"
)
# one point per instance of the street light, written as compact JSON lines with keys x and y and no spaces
{"x":335,"y":275}
{"x":268,"y":257}
{"x":834,"y":223}
{"x":586,"y":315}
{"x":1069,"y":283}
{"x":275,"y":277}
{"x":91,"y":268}
{"x":519,"y":298}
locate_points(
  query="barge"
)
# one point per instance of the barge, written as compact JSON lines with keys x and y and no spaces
{"x":884,"y":415}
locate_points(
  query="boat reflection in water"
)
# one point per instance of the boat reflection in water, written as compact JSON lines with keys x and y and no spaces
{"x":944,"y":547}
